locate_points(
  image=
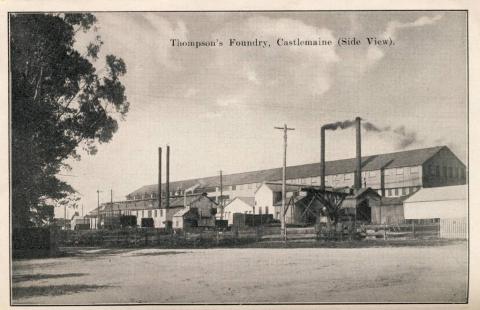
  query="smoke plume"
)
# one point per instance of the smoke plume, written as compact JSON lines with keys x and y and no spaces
{"x":342,"y":125}
{"x":403,"y":137}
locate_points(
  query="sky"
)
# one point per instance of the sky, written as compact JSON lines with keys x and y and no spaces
{"x":217,"y":106}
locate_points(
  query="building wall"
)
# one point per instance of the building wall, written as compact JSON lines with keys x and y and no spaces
{"x":236,"y":206}
{"x":177,"y":222}
{"x":264,"y":201}
{"x":389,"y":214}
{"x":443,"y":169}
{"x":443,"y":209}
{"x":204,"y":207}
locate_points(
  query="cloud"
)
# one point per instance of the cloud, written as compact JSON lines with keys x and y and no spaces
{"x":393,"y":26}
{"x":374,"y":53}
{"x":273,"y":75}
{"x":145,"y":38}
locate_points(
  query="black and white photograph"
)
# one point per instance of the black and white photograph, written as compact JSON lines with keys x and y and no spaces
{"x":247,"y":157}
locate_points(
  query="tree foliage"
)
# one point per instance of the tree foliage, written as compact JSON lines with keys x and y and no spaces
{"x":60,"y":103}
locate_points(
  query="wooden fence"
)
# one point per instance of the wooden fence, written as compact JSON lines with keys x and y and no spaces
{"x":451,"y":229}
{"x":454,"y":228}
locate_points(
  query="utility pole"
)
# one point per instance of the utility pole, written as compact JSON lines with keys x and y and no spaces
{"x":159,"y":177}
{"x":98,"y":208}
{"x":167,"y":186}
{"x":221,"y":195}
{"x":284,"y":180}
{"x":111,"y":202}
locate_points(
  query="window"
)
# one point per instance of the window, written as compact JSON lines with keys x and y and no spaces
{"x":259,"y":210}
{"x":176,"y":223}
{"x":149,"y":213}
{"x":396,"y":192}
{"x":404,"y":191}
{"x":339,"y":177}
{"x":444,"y":172}
{"x":437,"y":171}
{"x":155,"y":213}
{"x":450,"y":173}
{"x":462,"y":173}
{"x":413,"y":170}
{"x":161,"y":212}
{"x":143,"y":213}
{"x":399,"y":171}
{"x":266,"y":210}
{"x":234,"y":187}
{"x":389,"y":193}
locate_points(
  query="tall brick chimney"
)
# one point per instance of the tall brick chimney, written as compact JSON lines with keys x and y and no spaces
{"x":358,"y":159}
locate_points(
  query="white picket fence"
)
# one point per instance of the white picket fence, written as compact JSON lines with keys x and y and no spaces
{"x":454,"y":228}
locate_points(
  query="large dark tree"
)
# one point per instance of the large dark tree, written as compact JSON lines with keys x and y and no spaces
{"x":60,"y":104}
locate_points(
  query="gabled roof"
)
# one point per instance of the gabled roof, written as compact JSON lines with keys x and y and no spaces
{"x":373,"y":162}
{"x":455,"y":192}
{"x":277,"y":187}
{"x":248,"y":200}
{"x":182,"y":212}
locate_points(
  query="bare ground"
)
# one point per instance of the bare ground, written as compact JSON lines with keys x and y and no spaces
{"x":247,"y":275}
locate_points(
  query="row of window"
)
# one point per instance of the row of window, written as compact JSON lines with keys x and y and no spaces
{"x":446,"y":172}
{"x":260,"y":211}
{"x":149,"y":213}
{"x":401,"y":191}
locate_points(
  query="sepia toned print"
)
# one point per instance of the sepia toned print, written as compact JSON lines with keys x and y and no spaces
{"x":248,"y":157}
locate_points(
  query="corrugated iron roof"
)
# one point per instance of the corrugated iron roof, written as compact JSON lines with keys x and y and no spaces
{"x":373,"y":162}
{"x":455,"y":192}
{"x":248,"y":200}
{"x":391,"y":201}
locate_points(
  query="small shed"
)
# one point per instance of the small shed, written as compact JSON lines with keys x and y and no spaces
{"x":244,"y":205}
{"x":200,"y":212}
{"x":389,"y":210}
{"x":360,"y":204}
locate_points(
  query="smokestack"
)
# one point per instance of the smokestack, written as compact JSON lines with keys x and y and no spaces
{"x":322,"y":158}
{"x":167,"y":185}
{"x":159,"y":177}
{"x":358,"y":170}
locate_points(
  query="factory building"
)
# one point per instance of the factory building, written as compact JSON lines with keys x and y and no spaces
{"x":391,"y":175}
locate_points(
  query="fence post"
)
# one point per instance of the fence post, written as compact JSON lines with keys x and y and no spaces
{"x":438,"y":229}
{"x":413,"y":229}
{"x":385,"y":232}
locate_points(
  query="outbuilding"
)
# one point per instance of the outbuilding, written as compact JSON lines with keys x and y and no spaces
{"x":446,"y":205}
{"x":244,"y":205}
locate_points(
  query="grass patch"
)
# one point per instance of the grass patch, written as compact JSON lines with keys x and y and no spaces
{"x":53,"y":290}
{"x":35,"y":277}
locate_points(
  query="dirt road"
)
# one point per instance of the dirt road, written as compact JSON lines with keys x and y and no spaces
{"x":400,"y":274}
